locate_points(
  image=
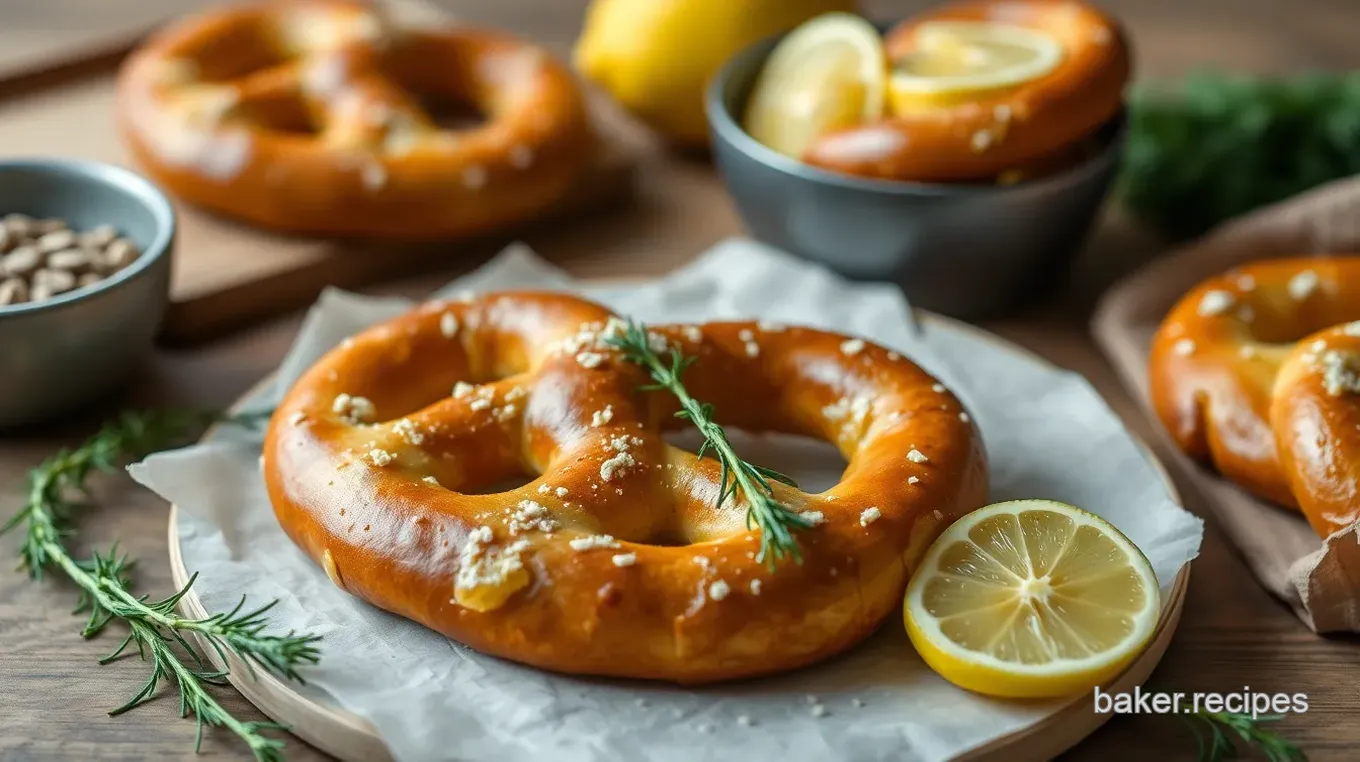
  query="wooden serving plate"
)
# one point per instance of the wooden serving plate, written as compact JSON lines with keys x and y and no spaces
{"x":352,"y":738}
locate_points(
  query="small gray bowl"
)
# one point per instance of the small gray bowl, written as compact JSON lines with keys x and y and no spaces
{"x":971,"y":251}
{"x":62,"y":353}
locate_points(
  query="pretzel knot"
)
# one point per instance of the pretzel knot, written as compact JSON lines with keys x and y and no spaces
{"x":311,"y":116}
{"x":1257,"y":371}
{"x":387,"y":463}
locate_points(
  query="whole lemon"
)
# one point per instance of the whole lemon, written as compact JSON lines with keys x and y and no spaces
{"x":656,"y":56}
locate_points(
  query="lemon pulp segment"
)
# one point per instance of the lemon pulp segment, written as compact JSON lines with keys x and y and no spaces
{"x":954,"y":61}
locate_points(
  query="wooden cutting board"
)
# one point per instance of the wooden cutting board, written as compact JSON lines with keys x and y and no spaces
{"x":228,"y":275}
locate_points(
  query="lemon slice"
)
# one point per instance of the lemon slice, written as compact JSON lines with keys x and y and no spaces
{"x":1031,"y":599}
{"x":829,"y":73}
{"x":954,"y":61}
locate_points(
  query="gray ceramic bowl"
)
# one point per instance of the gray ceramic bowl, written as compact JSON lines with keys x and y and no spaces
{"x":970,"y":251}
{"x":62,"y":353}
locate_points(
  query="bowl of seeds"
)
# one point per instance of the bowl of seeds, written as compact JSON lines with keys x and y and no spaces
{"x":85,"y":252}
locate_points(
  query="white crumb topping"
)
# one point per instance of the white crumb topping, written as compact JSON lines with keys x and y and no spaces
{"x":755,"y":586}
{"x":693,"y":333}
{"x":624,"y":559}
{"x":752,"y":349}
{"x":431,"y":480}
{"x":1351,"y":329}
{"x":462,"y":389}
{"x":481,"y":403}
{"x":616,"y":465}
{"x":506,"y":412}
{"x":448,"y":325}
{"x":593,"y":541}
{"x":869,"y":516}
{"x":601,"y":417}
{"x":480,"y":564}
{"x":1339,"y":374}
{"x":746,"y":334}
{"x":814,"y":518}
{"x":515,"y":393}
{"x":297,"y":418}
{"x":1302,"y":285}
{"x":701,"y":561}
{"x":1215,"y":302}
{"x":406,"y":429}
{"x":913,"y":479}
{"x":530,"y":516}
{"x":354,"y":409}
{"x":589,"y":359}
{"x":850,"y":411}
{"x":1184,"y":347}
{"x":561,"y":491}
{"x":852,"y":346}
{"x":964,"y":417}
{"x":380,"y":458}
{"x":916,"y":456}
{"x":938,"y":388}
{"x":544,"y":489}
{"x":719,"y":590}
{"x":894,"y":356}
{"x":769,"y":326}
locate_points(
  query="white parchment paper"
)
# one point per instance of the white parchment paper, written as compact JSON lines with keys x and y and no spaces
{"x":1048,"y":434}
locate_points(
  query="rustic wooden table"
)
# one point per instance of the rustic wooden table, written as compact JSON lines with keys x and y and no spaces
{"x":54,"y":696}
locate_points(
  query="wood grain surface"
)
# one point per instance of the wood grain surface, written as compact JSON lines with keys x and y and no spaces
{"x":53,"y":697}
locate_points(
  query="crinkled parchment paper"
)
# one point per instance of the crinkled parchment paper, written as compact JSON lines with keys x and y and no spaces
{"x":1048,"y":434}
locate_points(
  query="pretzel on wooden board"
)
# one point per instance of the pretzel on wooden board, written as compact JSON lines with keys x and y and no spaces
{"x":613,"y":559}
{"x":1255,"y":371}
{"x":308,"y":116}
{"x":999,"y":131}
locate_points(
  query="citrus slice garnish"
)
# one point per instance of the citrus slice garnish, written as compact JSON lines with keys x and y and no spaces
{"x":953,"y":61}
{"x":1031,"y":599}
{"x":829,"y":73}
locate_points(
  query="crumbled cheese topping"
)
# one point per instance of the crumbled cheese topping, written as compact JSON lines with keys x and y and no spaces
{"x":814,"y":518}
{"x":755,"y":587}
{"x":624,"y":559}
{"x":506,"y":412}
{"x":964,"y":417}
{"x":481,"y":566}
{"x":431,"y":480}
{"x":913,"y":479}
{"x":561,"y":492}
{"x":1302,"y":285}
{"x":746,"y":334}
{"x":916,"y":456}
{"x":481,"y":403}
{"x":589,"y":359}
{"x":601,"y":417}
{"x":852,"y":346}
{"x":769,"y":326}
{"x":1317,"y":346}
{"x":938,"y":388}
{"x":515,"y":393}
{"x":354,"y":409}
{"x":869,"y":516}
{"x":381,"y":458}
{"x":1339,"y":374}
{"x":894,"y":356}
{"x":406,"y":429}
{"x":1184,"y":347}
{"x":981,"y":140}
{"x":448,"y":325}
{"x":693,"y":333}
{"x":850,"y":411}
{"x":530,"y":516}
{"x":719,"y":590}
{"x":593,"y":541}
{"x":544,"y":489}
{"x":1215,"y":302}
{"x":462,"y":389}
{"x":618,"y":464}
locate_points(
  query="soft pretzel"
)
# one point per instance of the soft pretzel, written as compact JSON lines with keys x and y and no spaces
{"x":613,"y":559}
{"x":997,"y":131}
{"x":307,"y":116}
{"x":1215,"y":371}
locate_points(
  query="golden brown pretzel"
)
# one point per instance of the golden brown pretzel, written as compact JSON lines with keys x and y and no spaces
{"x":307,"y":116}
{"x":613,"y":560}
{"x":998,"y":130}
{"x":1216,"y":357}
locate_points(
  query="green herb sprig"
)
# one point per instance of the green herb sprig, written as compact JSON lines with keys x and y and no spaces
{"x":1218,"y":146}
{"x":1222,"y":726}
{"x":776,"y":522}
{"x":55,"y":489}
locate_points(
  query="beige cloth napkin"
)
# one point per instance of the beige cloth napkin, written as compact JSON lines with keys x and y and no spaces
{"x":1320,"y":580}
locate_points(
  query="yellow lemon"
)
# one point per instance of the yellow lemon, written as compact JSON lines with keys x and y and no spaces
{"x":954,"y":61}
{"x":828,"y":73}
{"x":1031,"y":599}
{"x":656,"y":56}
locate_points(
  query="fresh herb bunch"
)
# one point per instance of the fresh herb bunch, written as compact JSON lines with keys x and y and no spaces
{"x":1221,"y":726}
{"x":776,"y":522}
{"x":48,"y":519}
{"x":1219,"y":146}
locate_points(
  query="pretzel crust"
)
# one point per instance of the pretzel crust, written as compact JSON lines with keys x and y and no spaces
{"x":998,"y":131}
{"x":305,"y":116}
{"x":403,"y":514}
{"x":1235,"y":379}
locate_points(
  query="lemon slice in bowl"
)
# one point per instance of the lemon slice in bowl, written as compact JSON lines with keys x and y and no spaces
{"x":955,"y":61}
{"x":829,"y":73}
{"x":1031,"y":599}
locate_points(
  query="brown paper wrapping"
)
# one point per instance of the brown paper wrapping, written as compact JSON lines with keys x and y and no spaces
{"x":1319,"y":579}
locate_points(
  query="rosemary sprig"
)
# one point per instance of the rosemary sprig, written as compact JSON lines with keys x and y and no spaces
{"x":776,"y":522}
{"x":1222,"y":726}
{"x":104,"y":580}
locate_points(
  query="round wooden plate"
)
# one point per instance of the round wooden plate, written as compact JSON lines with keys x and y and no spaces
{"x":352,"y":738}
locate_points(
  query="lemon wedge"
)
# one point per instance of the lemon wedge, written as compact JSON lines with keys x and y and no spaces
{"x":954,"y":61}
{"x":829,"y":73}
{"x":1031,"y":599}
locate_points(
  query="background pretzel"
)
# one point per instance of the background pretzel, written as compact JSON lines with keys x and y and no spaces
{"x":1218,"y":357}
{"x":1001,"y":130}
{"x":613,"y":559}
{"x":310,"y":116}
